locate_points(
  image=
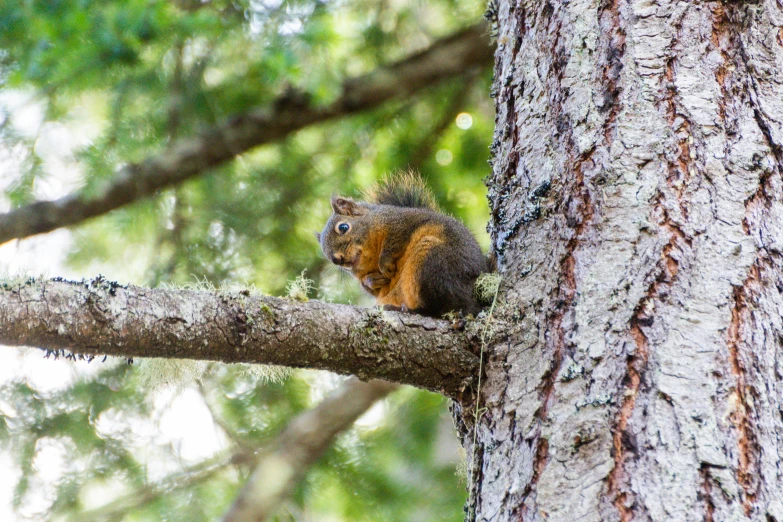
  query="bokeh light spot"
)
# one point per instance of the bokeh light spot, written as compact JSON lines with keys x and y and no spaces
{"x":444,"y":156}
{"x":464,"y":120}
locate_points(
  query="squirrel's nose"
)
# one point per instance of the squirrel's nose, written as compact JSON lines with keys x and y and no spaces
{"x":337,"y":259}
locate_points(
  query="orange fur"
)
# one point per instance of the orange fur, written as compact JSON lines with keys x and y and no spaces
{"x":403,"y":288}
{"x":369,"y":258}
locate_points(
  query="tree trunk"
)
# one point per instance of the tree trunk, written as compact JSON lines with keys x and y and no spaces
{"x":635,"y":372}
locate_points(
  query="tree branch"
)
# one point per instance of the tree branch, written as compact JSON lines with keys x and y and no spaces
{"x":446,"y":58}
{"x":299,"y":446}
{"x":100,"y":317}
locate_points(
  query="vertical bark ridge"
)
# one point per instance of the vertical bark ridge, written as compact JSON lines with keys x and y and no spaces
{"x":613,"y":33}
{"x":618,"y":480}
{"x":761,"y":356}
{"x":724,"y":31}
{"x":747,"y":468}
{"x":770,"y":127}
{"x":709,"y":507}
{"x":571,"y":177}
{"x":562,"y":289}
{"x":619,"y":445}
{"x":578,"y":208}
{"x":488,"y":448}
{"x":693,"y":112}
{"x":755,"y":320}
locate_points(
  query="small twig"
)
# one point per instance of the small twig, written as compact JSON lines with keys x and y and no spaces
{"x":479,"y":412}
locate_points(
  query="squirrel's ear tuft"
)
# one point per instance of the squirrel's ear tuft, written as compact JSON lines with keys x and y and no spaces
{"x":347,"y":207}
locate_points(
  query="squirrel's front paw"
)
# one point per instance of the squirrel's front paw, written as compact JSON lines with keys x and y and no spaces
{"x":374,"y":282}
{"x":394,"y":308}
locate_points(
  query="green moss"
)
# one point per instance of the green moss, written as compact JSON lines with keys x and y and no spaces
{"x":486,"y":287}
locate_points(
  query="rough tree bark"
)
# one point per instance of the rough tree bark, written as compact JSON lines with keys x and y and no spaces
{"x":636,"y":195}
{"x":100,"y":317}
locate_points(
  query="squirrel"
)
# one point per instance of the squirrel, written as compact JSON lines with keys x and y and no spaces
{"x":403,"y":250}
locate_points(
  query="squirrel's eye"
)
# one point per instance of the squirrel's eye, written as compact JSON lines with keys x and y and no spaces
{"x":343,"y":228}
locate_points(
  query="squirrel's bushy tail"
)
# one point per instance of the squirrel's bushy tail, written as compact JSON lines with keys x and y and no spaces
{"x":402,"y":189}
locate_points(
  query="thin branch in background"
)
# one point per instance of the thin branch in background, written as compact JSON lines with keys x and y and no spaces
{"x":172,"y":235}
{"x":449,"y":57}
{"x":191,"y":6}
{"x":300,"y":445}
{"x":191,"y":476}
{"x":116,"y":110}
{"x":220,"y":422}
{"x":177,"y":95}
{"x":162,"y":270}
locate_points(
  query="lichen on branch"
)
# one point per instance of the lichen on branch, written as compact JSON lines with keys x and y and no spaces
{"x":99,"y":317}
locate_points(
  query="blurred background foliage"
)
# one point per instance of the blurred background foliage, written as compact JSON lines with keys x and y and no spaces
{"x":87,"y":86}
